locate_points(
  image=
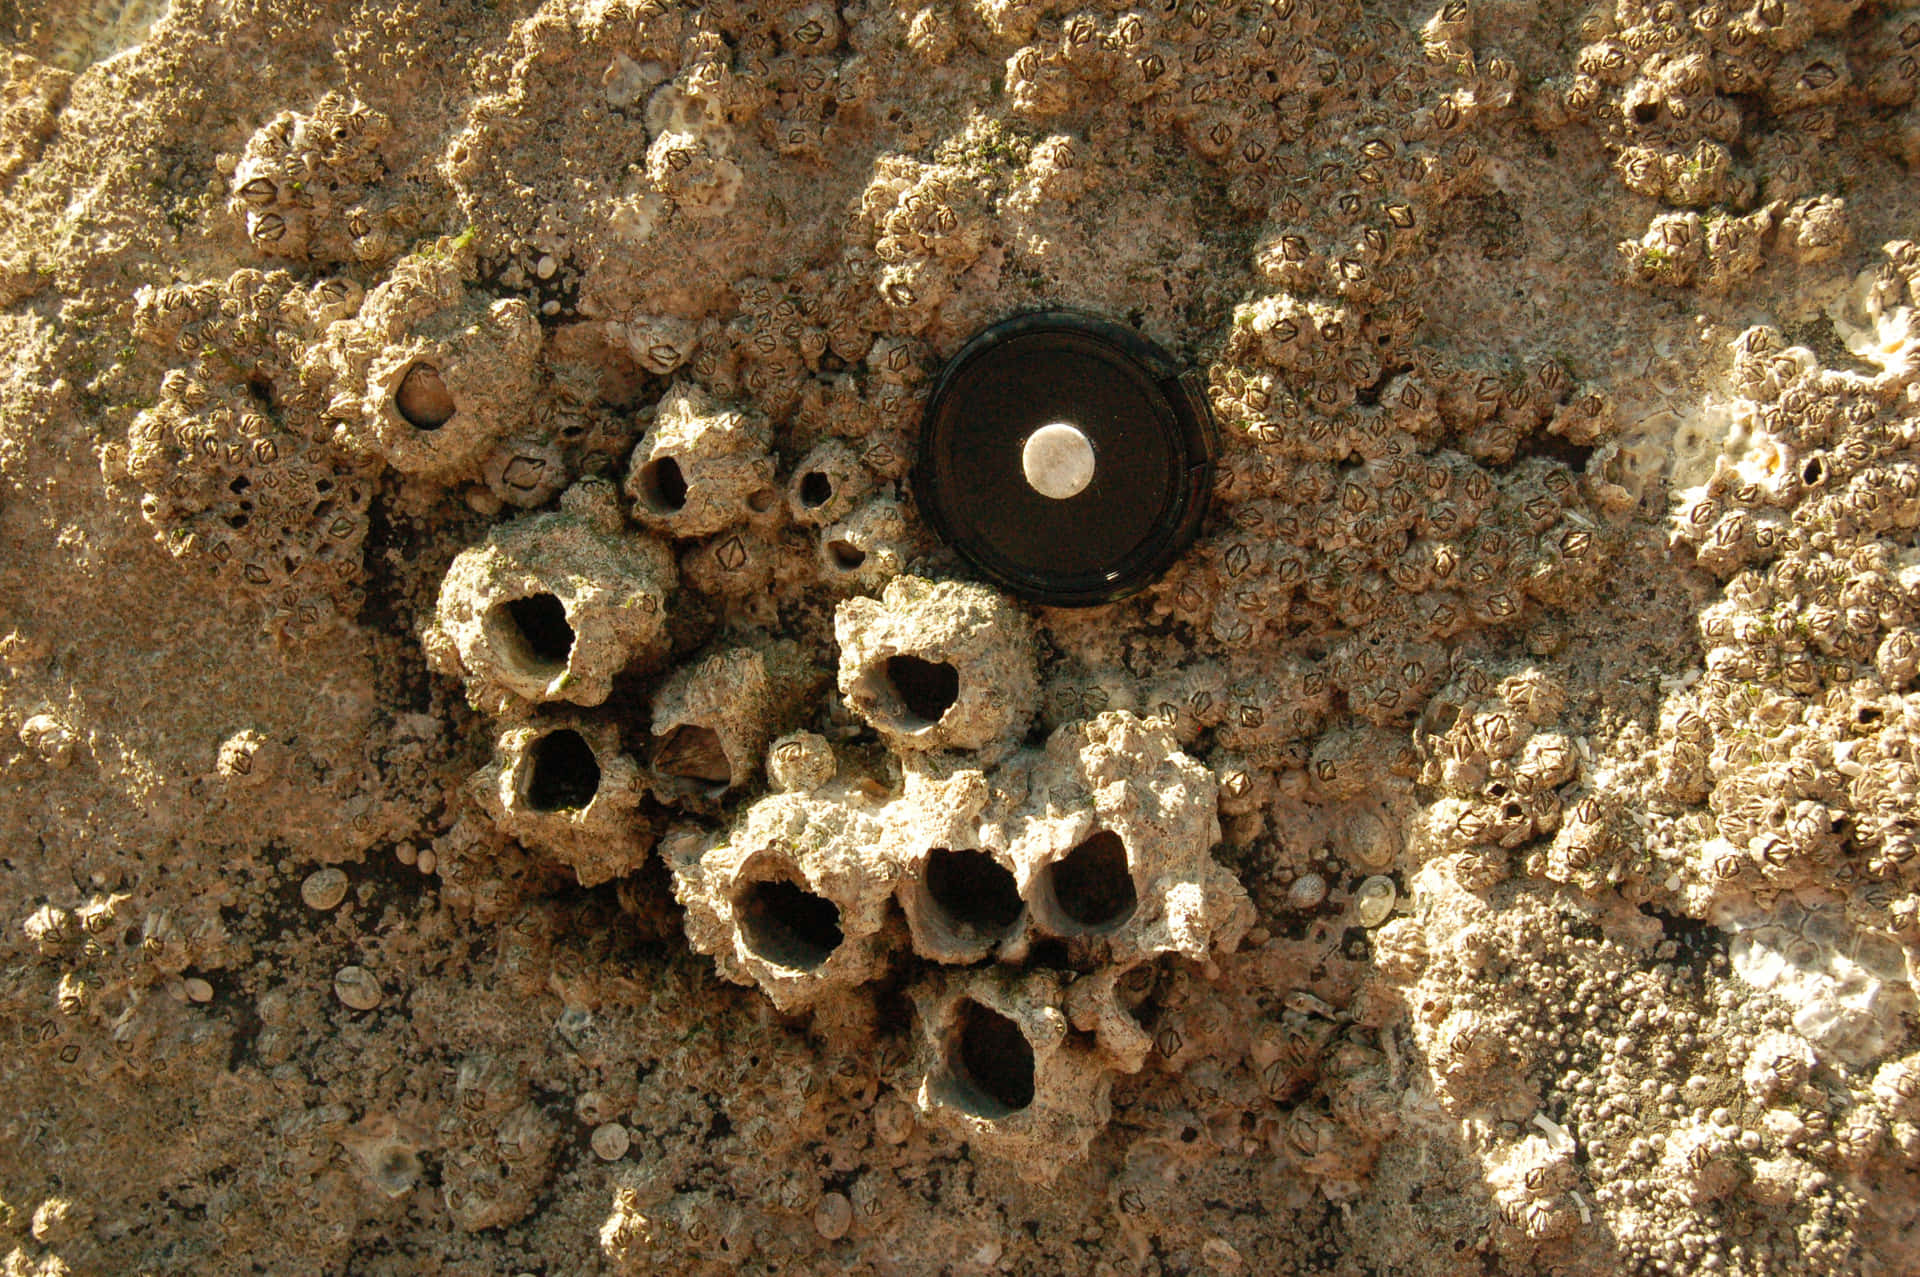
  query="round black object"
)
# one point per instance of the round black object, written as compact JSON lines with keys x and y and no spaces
{"x":1127,"y":453}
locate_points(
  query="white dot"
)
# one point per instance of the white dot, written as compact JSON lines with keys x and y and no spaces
{"x":1058,"y":461}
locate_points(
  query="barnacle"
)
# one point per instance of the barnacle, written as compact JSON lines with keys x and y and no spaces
{"x":553,"y":605}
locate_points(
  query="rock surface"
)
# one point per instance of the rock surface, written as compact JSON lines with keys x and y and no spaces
{"x":498,"y":777}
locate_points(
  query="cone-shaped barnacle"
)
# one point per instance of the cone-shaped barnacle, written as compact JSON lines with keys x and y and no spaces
{"x":562,"y":786}
{"x":794,"y":897}
{"x":552,"y":605}
{"x":702,"y":466}
{"x":713,"y":719}
{"x":1112,"y":849}
{"x":944,"y":665}
{"x":1002,"y":1068}
{"x":957,"y":888}
{"x":433,"y":374}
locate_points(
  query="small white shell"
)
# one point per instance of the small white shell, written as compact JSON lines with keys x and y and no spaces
{"x":357,"y":988}
{"x":324,"y":888}
{"x":198,"y":990}
{"x":1374,"y":901}
{"x":833,"y":1216}
{"x":610,"y":1141}
{"x":1307,"y":891}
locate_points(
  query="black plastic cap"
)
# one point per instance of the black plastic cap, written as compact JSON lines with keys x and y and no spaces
{"x":1153,"y":448}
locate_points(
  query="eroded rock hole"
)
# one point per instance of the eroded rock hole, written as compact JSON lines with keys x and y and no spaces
{"x":423,"y":398}
{"x":846,"y":555}
{"x":1091,"y":883}
{"x":787,"y":925}
{"x":541,"y":622}
{"x":974,"y":890}
{"x":815,"y":490}
{"x":565,"y":774}
{"x":992,"y":1061}
{"x":928,"y":689}
{"x":695,"y":753}
{"x":663,"y":486}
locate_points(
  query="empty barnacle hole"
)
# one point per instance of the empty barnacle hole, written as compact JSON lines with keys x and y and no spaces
{"x":696,"y":753}
{"x":531,"y":634}
{"x":915,"y":693}
{"x":968,"y":894}
{"x":844,"y":555}
{"x":562,"y":772}
{"x":663,"y":485}
{"x":815,"y":489}
{"x":423,"y":399}
{"x":989,"y":1062}
{"x":781,"y":920}
{"x":1090,"y":888}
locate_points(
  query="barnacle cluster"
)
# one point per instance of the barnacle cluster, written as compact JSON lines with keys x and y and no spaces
{"x":1789,"y":749}
{"x":1727,"y":112}
{"x":1796,"y":731}
{"x":308,"y":185}
{"x":1096,"y":846}
{"x":236,"y":457}
{"x":32,"y":96}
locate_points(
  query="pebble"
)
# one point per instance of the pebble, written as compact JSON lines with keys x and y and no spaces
{"x":610,"y":1141}
{"x":356,"y":987}
{"x":833,"y":1216}
{"x":324,"y":889}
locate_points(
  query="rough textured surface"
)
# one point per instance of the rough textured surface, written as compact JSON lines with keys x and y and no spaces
{"x":1491,"y":849}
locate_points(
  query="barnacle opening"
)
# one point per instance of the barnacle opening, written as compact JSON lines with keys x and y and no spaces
{"x":531,"y":633}
{"x":662,"y":485}
{"x":845,"y":555}
{"x":927,"y":689}
{"x":815,"y":489}
{"x":1091,"y":884}
{"x":564,"y":774}
{"x":991,"y":1062}
{"x":974,"y":893}
{"x":785,"y":924}
{"x":693,"y":752}
{"x":423,"y":398}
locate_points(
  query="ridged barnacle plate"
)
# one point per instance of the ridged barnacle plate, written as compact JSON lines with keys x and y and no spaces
{"x":1066,"y":458}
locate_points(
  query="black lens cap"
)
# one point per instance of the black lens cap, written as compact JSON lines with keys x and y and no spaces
{"x":1066,"y":458}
